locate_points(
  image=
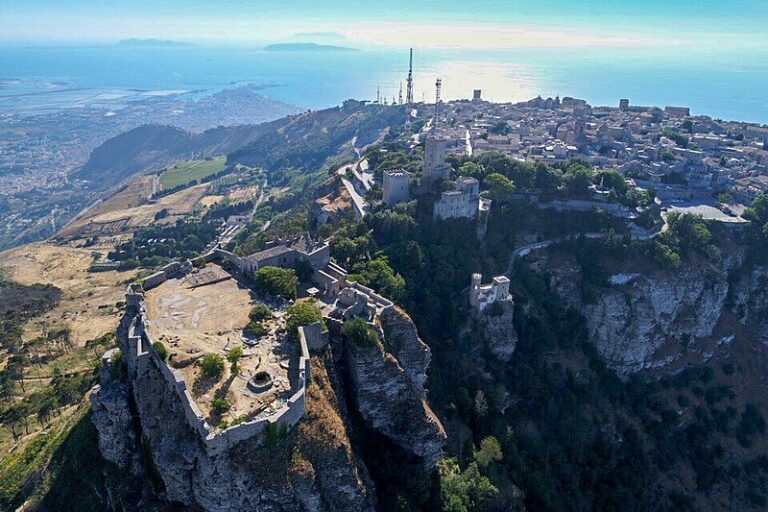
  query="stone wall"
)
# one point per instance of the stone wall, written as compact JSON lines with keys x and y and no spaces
{"x":142,"y":358}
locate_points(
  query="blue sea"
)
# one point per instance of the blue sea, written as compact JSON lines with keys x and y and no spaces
{"x":724,"y":84}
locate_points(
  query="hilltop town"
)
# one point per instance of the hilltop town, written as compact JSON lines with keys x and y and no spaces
{"x":689,"y":162}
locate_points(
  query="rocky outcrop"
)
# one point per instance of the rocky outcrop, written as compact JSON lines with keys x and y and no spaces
{"x":643,"y":319}
{"x":332,"y":204}
{"x":391,"y":404}
{"x":497,"y":326}
{"x":402,"y":341}
{"x":112,"y":417}
{"x":312,"y":469}
{"x":750,"y":301}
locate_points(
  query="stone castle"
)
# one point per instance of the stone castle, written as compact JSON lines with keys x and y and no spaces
{"x":346,"y":299}
{"x":483,"y":295}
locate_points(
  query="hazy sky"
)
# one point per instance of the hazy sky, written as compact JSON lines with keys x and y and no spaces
{"x":421,"y":23}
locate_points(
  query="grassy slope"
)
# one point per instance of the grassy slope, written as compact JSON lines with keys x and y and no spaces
{"x":185,"y":172}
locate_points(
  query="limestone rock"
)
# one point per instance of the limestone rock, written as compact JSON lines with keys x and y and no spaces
{"x":750,"y":298}
{"x":499,"y":329}
{"x":313,"y":469}
{"x":112,"y":417}
{"x":640,"y":316}
{"x":391,"y":404}
{"x":402,"y":340}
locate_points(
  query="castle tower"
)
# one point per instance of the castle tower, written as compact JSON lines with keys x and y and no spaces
{"x":396,"y":182}
{"x":434,"y":169}
{"x":501,"y":287}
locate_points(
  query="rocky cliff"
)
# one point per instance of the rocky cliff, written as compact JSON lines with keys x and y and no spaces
{"x":499,"y":331}
{"x":387,"y":388}
{"x":402,"y":341}
{"x":647,"y":318}
{"x":750,"y":301}
{"x":312,"y":469}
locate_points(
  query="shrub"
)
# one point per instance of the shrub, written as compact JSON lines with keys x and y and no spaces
{"x":360,"y":332}
{"x":220,"y":406}
{"x":277,"y":281}
{"x":233,"y":356}
{"x":162,"y":352}
{"x":301,"y":314}
{"x":213,"y":366}
{"x":255,"y":330}
{"x":260,"y":312}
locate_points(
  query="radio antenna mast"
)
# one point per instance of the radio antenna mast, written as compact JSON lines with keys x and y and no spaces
{"x":409,"y":93}
{"x":438,"y":86}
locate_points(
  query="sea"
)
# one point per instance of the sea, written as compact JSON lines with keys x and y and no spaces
{"x":720,"y":83}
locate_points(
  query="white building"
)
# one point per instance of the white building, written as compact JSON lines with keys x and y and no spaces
{"x":482,"y":295}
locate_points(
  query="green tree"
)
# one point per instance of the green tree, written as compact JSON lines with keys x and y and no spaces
{"x":162,"y":352}
{"x":259,"y":313}
{"x":212,"y":366}
{"x":490,"y":452}
{"x":301,"y":314}
{"x":220,"y":406}
{"x":360,"y":332}
{"x":499,"y":186}
{"x":233,"y":356}
{"x":277,"y":281}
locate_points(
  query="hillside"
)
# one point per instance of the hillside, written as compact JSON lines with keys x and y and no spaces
{"x":153,"y":147}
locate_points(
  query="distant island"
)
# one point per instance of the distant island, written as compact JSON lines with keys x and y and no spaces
{"x":152,"y":42}
{"x":307,"y":47}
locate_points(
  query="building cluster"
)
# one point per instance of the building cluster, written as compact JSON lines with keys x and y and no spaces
{"x":678,"y":155}
{"x":461,"y":200}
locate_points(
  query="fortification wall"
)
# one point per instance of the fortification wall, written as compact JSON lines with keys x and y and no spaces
{"x":142,"y":358}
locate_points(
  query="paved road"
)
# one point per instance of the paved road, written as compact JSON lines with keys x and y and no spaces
{"x":359,"y":169}
{"x":637,"y":234}
{"x":361,"y":206}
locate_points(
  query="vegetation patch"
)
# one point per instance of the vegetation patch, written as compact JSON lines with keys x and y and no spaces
{"x":184,"y":173}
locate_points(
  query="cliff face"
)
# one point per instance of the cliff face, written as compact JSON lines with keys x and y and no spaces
{"x":402,"y":341}
{"x":499,"y":329}
{"x":646,"y":319}
{"x":387,"y":387}
{"x":112,"y":418}
{"x":750,"y":301}
{"x":312,"y":469}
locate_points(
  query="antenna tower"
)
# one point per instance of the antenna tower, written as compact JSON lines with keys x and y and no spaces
{"x":438,"y":86}
{"x":409,"y":93}
{"x":400,"y":95}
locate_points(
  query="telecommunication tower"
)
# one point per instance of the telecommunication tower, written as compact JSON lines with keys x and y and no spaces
{"x":409,"y":93}
{"x":438,"y":86}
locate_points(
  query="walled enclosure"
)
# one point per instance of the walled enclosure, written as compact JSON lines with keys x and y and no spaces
{"x":141,"y":357}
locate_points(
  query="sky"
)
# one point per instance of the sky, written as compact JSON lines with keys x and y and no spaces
{"x":475,"y":24}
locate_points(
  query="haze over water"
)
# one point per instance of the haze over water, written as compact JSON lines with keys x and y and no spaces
{"x":720,"y":84}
